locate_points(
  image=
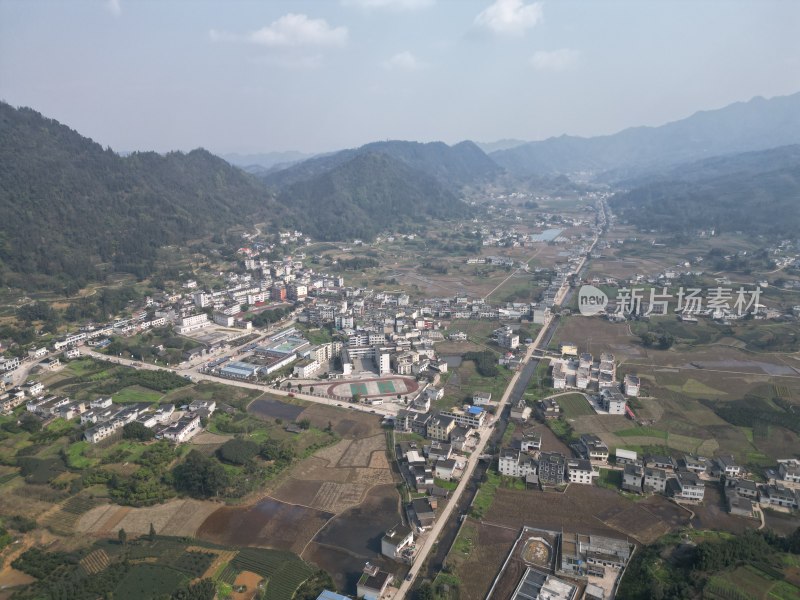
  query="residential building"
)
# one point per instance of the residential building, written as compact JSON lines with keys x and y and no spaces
{"x":559,"y":377}
{"x":580,"y":471}
{"x":632,"y":478}
{"x":520,"y":411}
{"x":695,"y":464}
{"x":183,"y":429}
{"x":725,"y":465}
{"x":655,"y":480}
{"x":626,"y":457}
{"x":469,"y":416}
{"x":789,"y":470}
{"x":631,"y":385}
{"x":102,"y":431}
{"x":395,"y":540}
{"x":660,"y":462}
{"x":444,"y":469}
{"x":781,"y":496}
{"x":423,"y":512}
{"x":552,"y":467}
{"x":690,"y":487}
{"x":481,"y":398}
{"x":306,"y":368}
{"x":537,"y":585}
{"x":513,"y":463}
{"x":593,"y":448}
{"x":568,"y":349}
{"x":204,"y":408}
{"x":439,"y":427}
{"x":193,"y":323}
{"x":372,"y":583}
{"x":612,"y":401}
{"x":548,"y":409}
{"x":531,"y":441}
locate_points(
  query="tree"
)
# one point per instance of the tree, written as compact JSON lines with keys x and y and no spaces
{"x":356,"y":398}
{"x":122,"y":536}
{"x":299,"y":387}
{"x":152,"y":534}
{"x":137,"y":431}
{"x":311,"y":390}
{"x":238,"y":451}
{"x":304,"y":424}
{"x":200,"y":476}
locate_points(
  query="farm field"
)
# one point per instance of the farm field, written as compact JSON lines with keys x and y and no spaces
{"x":684,"y":389}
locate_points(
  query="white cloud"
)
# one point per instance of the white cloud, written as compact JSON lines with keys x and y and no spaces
{"x":403,"y":61}
{"x":555,"y":60}
{"x":510,"y":17}
{"x":114,"y":7}
{"x":390,"y":4}
{"x":290,"y":30}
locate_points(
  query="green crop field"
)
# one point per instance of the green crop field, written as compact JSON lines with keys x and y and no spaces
{"x":574,"y":405}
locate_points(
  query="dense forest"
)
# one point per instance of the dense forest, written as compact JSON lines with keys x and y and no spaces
{"x":72,"y":209}
{"x":368,"y":194}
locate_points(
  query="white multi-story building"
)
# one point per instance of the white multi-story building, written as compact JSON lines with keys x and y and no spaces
{"x":512,"y":463}
{"x":580,"y":471}
{"x":193,"y":323}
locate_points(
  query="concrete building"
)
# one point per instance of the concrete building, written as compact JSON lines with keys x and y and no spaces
{"x":513,"y":463}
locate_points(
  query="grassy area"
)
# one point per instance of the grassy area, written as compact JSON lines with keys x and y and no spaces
{"x":574,"y":405}
{"x":642,"y":432}
{"x":485,"y":496}
{"x":76,"y":458}
{"x":316,"y":335}
{"x":610,"y":478}
{"x":448,"y":485}
{"x":136,"y":394}
{"x":563,"y":430}
{"x":465,"y":381}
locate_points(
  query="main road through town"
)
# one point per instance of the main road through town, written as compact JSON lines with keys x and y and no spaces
{"x":514,"y":391}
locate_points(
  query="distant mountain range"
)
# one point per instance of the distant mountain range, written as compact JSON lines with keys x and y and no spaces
{"x":72,"y":210}
{"x":757,"y":193}
{"x":265,"y":160}
{"x":745,"y":126}
{"x":453,"y":166}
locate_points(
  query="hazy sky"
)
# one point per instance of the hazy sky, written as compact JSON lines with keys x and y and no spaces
{"x":237,"y":76}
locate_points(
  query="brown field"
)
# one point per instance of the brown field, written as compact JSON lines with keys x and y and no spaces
{"x":355,"y":424}
{"x":713,"y":515}
{"x":588,"y":509}
{"x":269,"y":523}
{"x":177,"y":517}
{"x":250,"y":582}
{"x":488,"y":547}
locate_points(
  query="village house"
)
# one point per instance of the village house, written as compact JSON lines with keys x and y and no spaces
{"x":626,"y":457}
{"x":551,"y":468}
{"x":632,"y":478}
{"x":513,"y":463}
{"x":183,"y":429}
{"x":395,"y":540}
{"x":580,"y":471}
{"x":548,"y":409}
{"x":725,"y":465}
{"x":439,"y":427}
{"x":531,"y":441}
{"x":781,"y":496}
{"x":593,"y":448}
{"x":102,"y":431}
{"x":612,"y":401}
{"x":655,"y":480}
{"x":631,"y":385}
{"x":373,"y":583}
{"x":481,"y":398}
{"x":444,"y":469}
{"x":789,"y":471}
{"x":422,"y":512}
{"x":689,"y":487}
{"x":520,"y":411}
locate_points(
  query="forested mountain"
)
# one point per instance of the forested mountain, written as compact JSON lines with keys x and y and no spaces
{"x":453,"y":166}
{"x":745,"y":126}
{"x":366,"y":194}
{"x":68,"y":204}
{"x":755,"y":193}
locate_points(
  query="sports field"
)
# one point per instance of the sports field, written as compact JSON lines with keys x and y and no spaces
{"x":374,"y":388}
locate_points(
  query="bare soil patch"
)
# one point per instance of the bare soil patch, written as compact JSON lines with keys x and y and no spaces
{"x":177,"y":517}
{"x":250,"y":581}
{"x":269,"y":524}
{"x":360,"y":451}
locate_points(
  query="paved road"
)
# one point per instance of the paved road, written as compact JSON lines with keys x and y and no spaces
{"x":516,"y":387}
